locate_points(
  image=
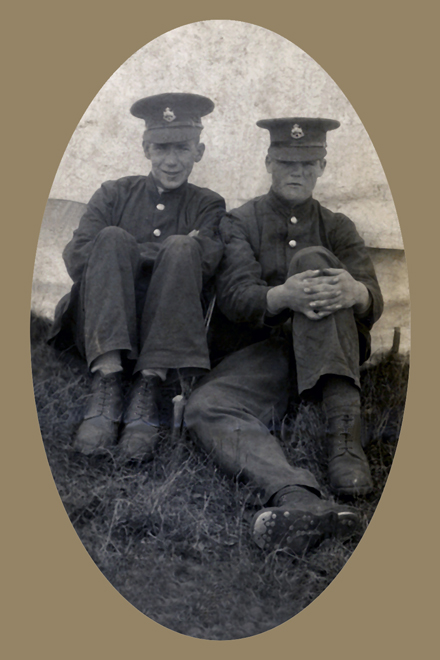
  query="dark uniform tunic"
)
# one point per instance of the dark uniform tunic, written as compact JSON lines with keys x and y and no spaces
{"x":268,"y":240}
{"x":138,"y":276}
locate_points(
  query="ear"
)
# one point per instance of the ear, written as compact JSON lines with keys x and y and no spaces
{"x":269,"y":163}
{"x":200,"y":150}
{"x":322,"y":165}
{"x":147,"y":151}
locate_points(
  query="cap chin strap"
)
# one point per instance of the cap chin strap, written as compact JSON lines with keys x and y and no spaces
{"x":295,"y":145}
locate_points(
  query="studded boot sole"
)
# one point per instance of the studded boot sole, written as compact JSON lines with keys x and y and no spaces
{"x":299,"y":530}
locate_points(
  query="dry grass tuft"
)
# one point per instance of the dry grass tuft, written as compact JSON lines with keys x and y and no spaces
{"x":172,"y":536}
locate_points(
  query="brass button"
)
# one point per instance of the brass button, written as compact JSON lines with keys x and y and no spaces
{"x":157,"y":232}
{"x":160,"y":207}
{"x":292,"y":243}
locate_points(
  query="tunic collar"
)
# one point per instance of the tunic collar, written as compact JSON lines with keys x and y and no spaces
{"x":287,"y":209}
{"x":152,"y":188}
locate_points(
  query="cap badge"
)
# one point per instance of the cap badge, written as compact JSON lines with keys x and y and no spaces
{"x":168,"y":115}
{"x":297,"y":132}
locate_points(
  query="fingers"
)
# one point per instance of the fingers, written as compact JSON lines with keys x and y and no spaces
{"x":330,"y":309}
{"x":321,"y":305}
{"x":308,"y":273}
{"x":313,"y":316}
{"x":333,"y":271}
{"x":316,"y":316}
{"x":322,"y":294}
{"x":320,"y":284}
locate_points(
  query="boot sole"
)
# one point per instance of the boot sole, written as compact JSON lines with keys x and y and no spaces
{"x":300,"y":530}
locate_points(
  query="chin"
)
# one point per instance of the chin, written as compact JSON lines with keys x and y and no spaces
{"x":294,"y":198}
{"x":170,"y":185}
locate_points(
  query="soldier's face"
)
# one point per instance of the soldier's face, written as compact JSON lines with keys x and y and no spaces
{"x":172,"y":163}
{"x":293,"y":181}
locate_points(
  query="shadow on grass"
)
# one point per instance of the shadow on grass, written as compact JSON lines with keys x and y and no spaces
{"x":172,"y":536}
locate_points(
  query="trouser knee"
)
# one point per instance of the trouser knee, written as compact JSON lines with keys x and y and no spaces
{"x":114,"y":238}
{"x":313,"y":258}
{"x":179,"y":245}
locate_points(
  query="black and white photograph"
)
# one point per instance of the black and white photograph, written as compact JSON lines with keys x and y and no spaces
{"x":220,"y":330}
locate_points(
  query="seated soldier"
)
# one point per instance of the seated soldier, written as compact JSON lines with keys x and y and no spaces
{"x":144,"y":249}
{"x":298,"y":285}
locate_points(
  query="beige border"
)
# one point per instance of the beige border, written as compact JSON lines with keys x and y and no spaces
{"x":58,"y":605}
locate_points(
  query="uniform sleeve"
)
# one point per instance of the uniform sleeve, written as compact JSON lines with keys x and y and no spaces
{"x":350,"y":249}
{"x":241,"y":291}
{"x":207,"y":222}
{"x":97,"y":216}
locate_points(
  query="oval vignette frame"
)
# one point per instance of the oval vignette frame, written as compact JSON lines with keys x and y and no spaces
{"x":106,"y":133}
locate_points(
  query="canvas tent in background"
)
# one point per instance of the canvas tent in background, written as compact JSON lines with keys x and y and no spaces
{"x":250,"y":73}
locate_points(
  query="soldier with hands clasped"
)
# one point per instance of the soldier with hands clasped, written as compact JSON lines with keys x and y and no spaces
{"x":298,"y":289}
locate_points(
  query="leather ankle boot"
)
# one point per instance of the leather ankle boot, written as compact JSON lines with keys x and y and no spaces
{"x":300,"y":520}
{"x":99,"y":429}
{"x":348,"y":469}
{"x":141,"y":419}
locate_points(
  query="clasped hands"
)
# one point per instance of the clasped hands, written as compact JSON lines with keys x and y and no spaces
{"x":319,"y":293}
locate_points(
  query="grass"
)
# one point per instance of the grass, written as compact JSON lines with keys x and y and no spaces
{"x":172,"y":535}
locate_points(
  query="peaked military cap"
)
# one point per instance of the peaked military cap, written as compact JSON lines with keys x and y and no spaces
{"x":298,"y":138}
{"x":172,"y":117}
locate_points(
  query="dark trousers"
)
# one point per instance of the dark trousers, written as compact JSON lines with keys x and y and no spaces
{"x":151,"y":311}
{"x":231,"y":408}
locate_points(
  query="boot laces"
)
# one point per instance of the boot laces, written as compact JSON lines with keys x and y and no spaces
{"x":344,"y":441}
{"x":106,"y":393}
{"x":144,"y":396}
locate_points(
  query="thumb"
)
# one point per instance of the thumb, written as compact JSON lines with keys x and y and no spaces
{"x":309,"y":273}
{"x":333,"y":271}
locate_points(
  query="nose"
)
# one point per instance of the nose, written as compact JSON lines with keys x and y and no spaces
{"x":171,"y":159}
{"x":296,"y":169}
